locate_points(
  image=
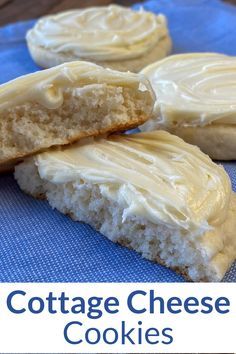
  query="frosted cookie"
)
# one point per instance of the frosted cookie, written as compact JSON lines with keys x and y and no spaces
{"x":65,"y":103}
{"x":151,"y":192}
{"x":112,"y":36}
{"x":196,"y":99}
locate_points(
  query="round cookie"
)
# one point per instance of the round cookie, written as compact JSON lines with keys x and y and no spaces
{"x":111,"y":36}
{"x":196,"y":100}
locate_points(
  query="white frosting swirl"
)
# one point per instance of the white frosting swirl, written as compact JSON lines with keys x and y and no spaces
{"x":154,"y":175}
{"x":194,"y":89}
{"x":47,"y":86}
{"x":100,"y":33}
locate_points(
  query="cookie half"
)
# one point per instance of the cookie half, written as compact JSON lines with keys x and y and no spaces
{"x":63,"y":104}
{"x":151,"y":192}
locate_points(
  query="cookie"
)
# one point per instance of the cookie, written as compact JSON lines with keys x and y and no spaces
{"x":196,"y":100}
{"x":63,"y":104}
{"x":151,"y":192}
{"x":112,"y":36}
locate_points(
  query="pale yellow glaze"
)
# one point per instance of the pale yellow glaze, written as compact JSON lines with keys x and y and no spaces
{"x":100,"y":33}
{"x":47,"y":86}
{"x":193,"y":89}
{"x":154,"y":175}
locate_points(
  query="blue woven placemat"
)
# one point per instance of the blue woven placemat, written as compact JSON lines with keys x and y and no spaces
{"x":40,"y":245}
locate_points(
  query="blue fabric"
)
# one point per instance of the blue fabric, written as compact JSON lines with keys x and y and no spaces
{"x":39,"y":244}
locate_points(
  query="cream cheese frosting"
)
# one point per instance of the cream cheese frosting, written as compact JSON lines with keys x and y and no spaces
{"x":154,"y":175}
{"x":195,"y":89}
{"x":46,"y":87}
{"x":100,"y":33}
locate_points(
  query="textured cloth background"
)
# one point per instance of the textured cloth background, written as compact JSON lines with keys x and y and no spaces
{"x":39,"y":244}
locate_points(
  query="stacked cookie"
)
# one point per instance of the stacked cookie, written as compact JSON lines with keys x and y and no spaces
{"x":149,"y":191}
{"x":68,"y":102}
